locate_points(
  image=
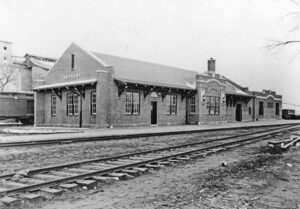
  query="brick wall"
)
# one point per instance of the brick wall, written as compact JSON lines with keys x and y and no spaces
{"x":231,"y":111}
{"x":61,"y":118}
{"x":39,"y":108}
{"x":208,"y":86}
{"x":269,"y":113}
{"x":120,"y":118}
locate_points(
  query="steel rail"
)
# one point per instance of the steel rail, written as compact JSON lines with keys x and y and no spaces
{"x":143,"y":162}
{"x":115,"y":137}
{"x":33,"y":171}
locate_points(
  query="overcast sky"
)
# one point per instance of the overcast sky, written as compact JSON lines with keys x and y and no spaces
{"x":170,"y":32}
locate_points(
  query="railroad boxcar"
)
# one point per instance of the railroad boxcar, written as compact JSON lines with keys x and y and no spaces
{"x":17,"y":106}
{"x":288,"y":114}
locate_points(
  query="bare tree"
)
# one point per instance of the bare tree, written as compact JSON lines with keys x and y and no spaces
{"x":7,"y":76}
{"x":294,"y":16}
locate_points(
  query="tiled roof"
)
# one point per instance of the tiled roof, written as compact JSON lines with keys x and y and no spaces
{"x":149,"y":73}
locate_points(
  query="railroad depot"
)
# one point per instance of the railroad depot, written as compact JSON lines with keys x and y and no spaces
{"x":97,"y":90}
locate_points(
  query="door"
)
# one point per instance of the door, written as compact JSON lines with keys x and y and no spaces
{"x":153,"y":112}
{"x":238,"y":112}
{"x":277,"y":109}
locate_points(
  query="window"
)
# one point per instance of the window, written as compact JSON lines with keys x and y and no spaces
{"x":213,"y":105}
{"x":249,"y":110}
{"x":75,"y":104}
{"x":171,"y":101}
{"x":193,"y":104}
{"x":53,"y":105}
{"x":93,"y":103}
{"x":270,"y":104}
{"x":72,"y":61}
{"x":173,"y":105}
{"x":261,"y":109}
{"x":132,"y":103}
{"x":72,"y":104}
{"x":136,"y":103}
{"x":168,"y":104}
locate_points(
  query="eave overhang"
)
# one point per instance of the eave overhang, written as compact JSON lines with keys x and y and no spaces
{"x":147,"y":88}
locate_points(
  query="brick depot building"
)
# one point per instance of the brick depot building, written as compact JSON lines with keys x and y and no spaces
{"x":96,"y":90}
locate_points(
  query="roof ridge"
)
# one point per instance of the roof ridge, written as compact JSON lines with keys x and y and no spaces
{"x":141,"y":61}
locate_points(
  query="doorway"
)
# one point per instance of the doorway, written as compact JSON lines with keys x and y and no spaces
{"x":153,"y":113}
{"x":238,"y":112}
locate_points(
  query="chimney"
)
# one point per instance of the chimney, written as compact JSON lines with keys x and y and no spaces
{"x":211,"y":67}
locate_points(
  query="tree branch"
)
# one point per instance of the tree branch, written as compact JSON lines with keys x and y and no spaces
{"x":278,"y":44}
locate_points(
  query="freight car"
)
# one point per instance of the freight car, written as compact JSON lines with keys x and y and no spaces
{"x":17,"y":107}
{"x":290,"y":114}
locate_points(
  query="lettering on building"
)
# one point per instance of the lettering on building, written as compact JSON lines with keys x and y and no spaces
{"x":72,"y":76}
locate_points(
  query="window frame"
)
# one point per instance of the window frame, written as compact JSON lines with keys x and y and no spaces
{"x":93,"y":103}
{"x":72,"y":106}
{"x":171,"y":106}
{"x":213,"y":105}
{"x":132,"y":103}
{"x":75,"y":105}
{"x":192,"y":103}
{"x":53,"y":106}
{"x":136,"y":105}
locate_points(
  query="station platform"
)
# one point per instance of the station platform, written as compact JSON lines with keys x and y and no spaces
{"x":107,"y":133}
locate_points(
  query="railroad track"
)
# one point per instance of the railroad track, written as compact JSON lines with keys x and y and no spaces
{"x":56,"y":179}
{"x":114,"y":137}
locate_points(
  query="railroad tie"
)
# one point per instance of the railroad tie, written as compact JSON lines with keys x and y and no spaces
{"x":50,"y":192}
{"x":121,"y":176}
{"x":70,"y":186}
{"x":152,"y":166}
{"x":140,"y":169}
{"x":106,"y":179}
{"x":183,"y":158}
{"x":164,"y":163}
{"x":173,"y":160}
{"x":131,"y":172}
{"x":10,"y":201}
{"x":32,"y":198}
{"x":89,"y":184}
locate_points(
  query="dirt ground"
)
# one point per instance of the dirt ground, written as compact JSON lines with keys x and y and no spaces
{"x":255,"y":177}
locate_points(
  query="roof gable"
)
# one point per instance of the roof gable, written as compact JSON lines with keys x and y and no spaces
{"x":85,"y":66}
